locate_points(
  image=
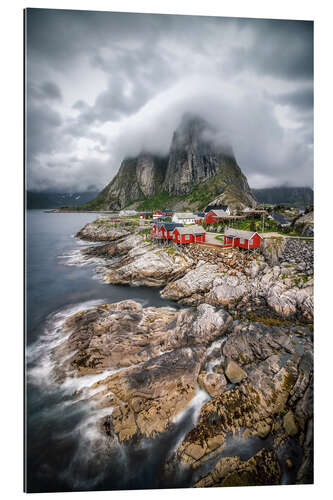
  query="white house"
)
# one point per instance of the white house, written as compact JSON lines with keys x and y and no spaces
{"x":184,"y":218}
{"x":128,"y":213}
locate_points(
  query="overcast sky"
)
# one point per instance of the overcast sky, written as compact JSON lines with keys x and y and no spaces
{"x":102,"y":86}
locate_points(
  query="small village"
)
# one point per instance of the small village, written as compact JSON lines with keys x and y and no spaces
{"x":220,"y":227}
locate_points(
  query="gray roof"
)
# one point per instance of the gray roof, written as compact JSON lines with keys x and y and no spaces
{"x":195,"y":229}
{"x":169,"y":226}
{"x":184,"y":215}
{"x":219,"y":213}
{"x":239,"y":233}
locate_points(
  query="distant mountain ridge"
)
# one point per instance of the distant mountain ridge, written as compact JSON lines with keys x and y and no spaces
{"x":43,"y":200}
{"x":296,"y":196}
{"x":195,"y":172}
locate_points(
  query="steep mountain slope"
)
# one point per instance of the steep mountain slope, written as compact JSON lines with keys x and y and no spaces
{"x":196,"y":171}
{"x":296,"y":196}
{"x":194,"y":158}
{"x":43,"y":200}
{"x":138,"y":178}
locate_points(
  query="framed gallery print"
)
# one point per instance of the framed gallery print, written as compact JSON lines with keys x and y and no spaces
{"x":169,"y":237}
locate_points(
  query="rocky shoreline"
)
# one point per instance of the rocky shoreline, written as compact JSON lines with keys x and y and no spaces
{"x":242,"y":283}
{"x":243,"y":337}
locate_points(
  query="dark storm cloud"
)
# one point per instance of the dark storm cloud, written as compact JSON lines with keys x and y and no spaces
{"x":42,"y":124}
{"x":45,"y":90}
{"x":301,"y":99}
{"x":283,"y":49}
{"x":105,"y":85}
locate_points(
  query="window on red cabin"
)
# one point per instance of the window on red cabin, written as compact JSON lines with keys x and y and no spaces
{"x":250,"y":242}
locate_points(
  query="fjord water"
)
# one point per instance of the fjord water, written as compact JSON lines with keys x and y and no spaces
{"x":60,"y":453}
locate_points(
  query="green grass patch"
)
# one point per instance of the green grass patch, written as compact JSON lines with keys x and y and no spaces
{"x":160,"y":201}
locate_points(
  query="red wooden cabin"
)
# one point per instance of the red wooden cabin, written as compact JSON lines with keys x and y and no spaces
{"x":158,"y":231}
{"x":157,"y":214}
{"x":189,"y":234}
{"x":242,"y":239}
{"x":215,"y":216}
{"x":169,"y":228}
{"x":164,"y":230}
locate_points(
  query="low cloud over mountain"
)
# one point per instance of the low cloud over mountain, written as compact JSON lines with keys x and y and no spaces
{"x":102,"y":86}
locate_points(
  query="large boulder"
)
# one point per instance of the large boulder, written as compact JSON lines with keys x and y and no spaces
{"x":112,"y":336}
{"x":234,"y":372}
{"x":146,"y":398}
{"x":262,"y":469}
{"x":213,"y":383}
{"x":117,"y":247}
{"x":227,"y":290}
{"x":195,"y":281}
{"x":202,"y":325}
{"x":151,"y":267}
{"x":289,"y":424}
{"x":101,"y":230}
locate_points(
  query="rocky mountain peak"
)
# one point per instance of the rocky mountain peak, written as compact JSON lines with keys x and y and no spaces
{"x":196,"y":161}
{"x":195,"y":157}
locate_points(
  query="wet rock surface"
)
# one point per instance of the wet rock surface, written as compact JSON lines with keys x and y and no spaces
{"x":262,"y":469}
{"x":102,"y":230}
{"x":259,"y":288}
{"x":267,"y":401}
{"x":146,"y":265}
{"x":112,"y":336}
{"x":115,"y":249}
{"x":263,"y":388}
{"x":146,"y":398}
{"x":160,"y":352}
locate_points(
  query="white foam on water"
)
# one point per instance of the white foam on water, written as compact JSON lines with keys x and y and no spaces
{"x":217,"y":344}
{"x":195,"y":405}
{"x":72,"y":384}
{"x":54,"y":335}
{"x":92,"y":451}
{"x":77,"y":258}
{"x":200,"y":398}
{"x":87,"y":243}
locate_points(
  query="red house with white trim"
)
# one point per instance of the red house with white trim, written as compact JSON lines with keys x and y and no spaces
{"x":157,"y":214}
{"x":164,"y":230}
{"x":158,"y":230}
{"x":169,"y":228}
{"x":216,"y":216}
{"x":242,"y":239}
{"x":189,"y":234}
